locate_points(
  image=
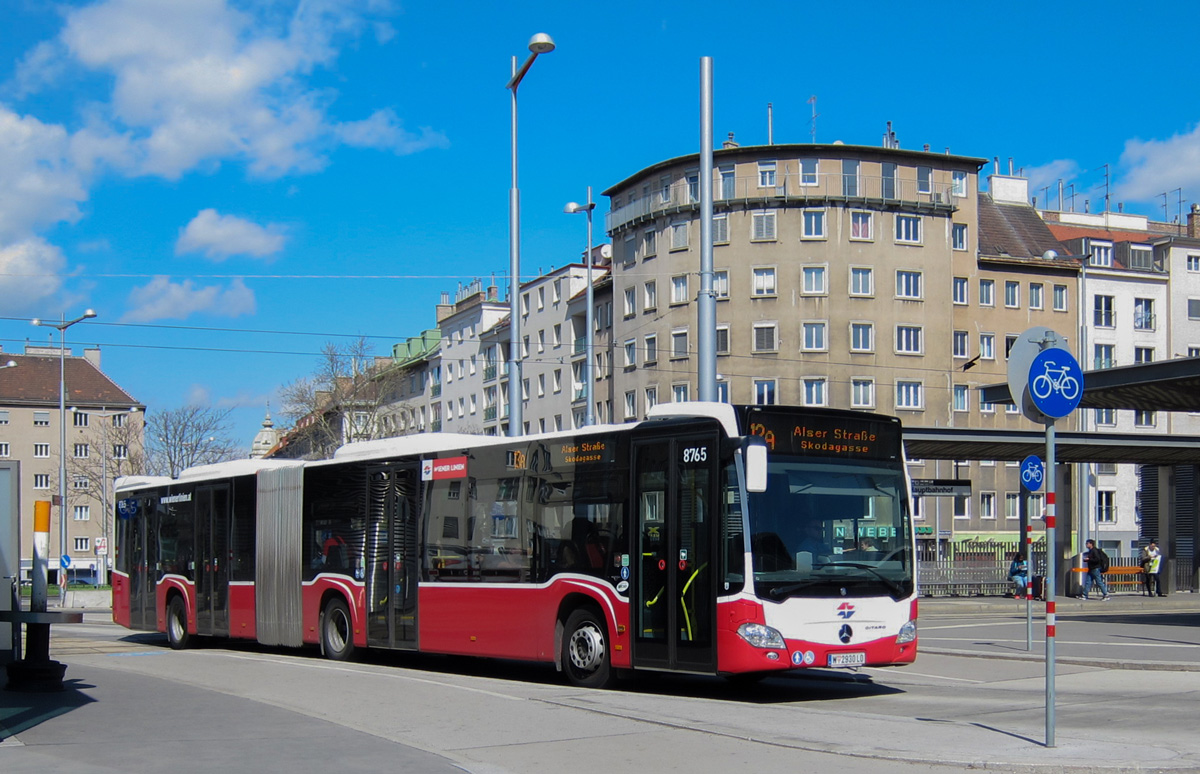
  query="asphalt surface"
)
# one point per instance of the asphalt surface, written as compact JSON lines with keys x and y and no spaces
{"x":970,"y":702}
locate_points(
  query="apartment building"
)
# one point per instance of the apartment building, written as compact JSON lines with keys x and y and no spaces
{"x":104,"y":439}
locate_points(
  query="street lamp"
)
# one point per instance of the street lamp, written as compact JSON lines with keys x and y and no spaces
{"x":106,"y":508}
{"x":540,"y":43}
{"x":589,"y":417}
{"x":62,"y":441}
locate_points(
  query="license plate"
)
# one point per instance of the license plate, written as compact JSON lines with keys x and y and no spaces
{"x":847,"y":659}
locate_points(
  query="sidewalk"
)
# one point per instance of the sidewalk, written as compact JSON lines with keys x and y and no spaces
{"x":1180,"y":602}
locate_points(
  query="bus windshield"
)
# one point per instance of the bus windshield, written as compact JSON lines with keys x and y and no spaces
{"x":830,"y":528}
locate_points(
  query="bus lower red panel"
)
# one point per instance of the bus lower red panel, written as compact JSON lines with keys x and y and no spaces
{"x":120,"y":599}
{"x":241,"y":611}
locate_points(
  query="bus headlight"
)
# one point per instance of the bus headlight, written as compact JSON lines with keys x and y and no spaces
{"x":908,"y":633}
{"x":761,"y":636}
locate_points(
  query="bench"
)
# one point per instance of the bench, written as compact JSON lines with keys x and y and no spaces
{"x":1125,"y":577}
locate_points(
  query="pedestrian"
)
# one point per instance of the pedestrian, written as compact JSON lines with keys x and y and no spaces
{"x":1151,"y":567}
{"x":1097,"y":565}
{"x":1018,"y":573}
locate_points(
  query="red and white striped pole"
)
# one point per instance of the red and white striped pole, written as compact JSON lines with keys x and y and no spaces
{"x":1051,"y":572}
{"x":41,"y":555}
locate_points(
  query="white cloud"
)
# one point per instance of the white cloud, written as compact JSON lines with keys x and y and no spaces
{"x":1047,"y":176}
{"x":40,"y":186}
{"x":384,"y":131}
{"x":166,"y":300}
{"x":39,"y":68}
{"x":29,"y":274}
{"x":1151,"y":167}
{"x":220,"y":236}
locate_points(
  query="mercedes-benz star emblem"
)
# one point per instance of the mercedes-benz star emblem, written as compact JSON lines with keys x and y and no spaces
{"x":845,"y":634}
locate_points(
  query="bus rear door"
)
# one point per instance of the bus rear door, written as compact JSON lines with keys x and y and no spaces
{"x":674,"y":597}
{"x":212,"y":559}
{"x":392,"y":556}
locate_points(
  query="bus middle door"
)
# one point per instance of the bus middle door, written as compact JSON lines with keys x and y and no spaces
{"x":673,"y":606}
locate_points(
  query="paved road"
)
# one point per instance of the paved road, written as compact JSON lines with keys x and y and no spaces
{"x":135,"y":705}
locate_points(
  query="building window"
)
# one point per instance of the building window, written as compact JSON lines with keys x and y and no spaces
{"x":721,"y":284}
{"x":722,"y":339}
{"x":41,"y":450}
{"x":924,"y":180}
{"x":908,"y":395}
{"x":1193,"y":312}
{"x":82,"y":451}
{"x":808,"y":171}
{"x":649,"y":243}
{"x":80,"y":419}
{"x":861,"y":281}
{"x":1106,"y":416}
{"x":83,"y":513}
{"x":763,"y":226}
{"x":631,"y":405}
{"x":862,"y":393}
{"x":679,"y":236}
{"x":814,"y":280}
{"x":650,"y":296}
{"x":814,"y":392}
{"x":764,"y":282}
{"x":83,"y":544}
{"x":987,"y":292}
{"x":4,"y":417}
{"x":41,"y":480}
{"x":1144,"y":418}
{"x":764,"y":392}
{"x":4,"y":449}
{"x":908,"y":229}
{"x":651,"y":397}
{"x":765,"y":337}
{"x":1060,"y":298}
{"x":987,"y":346}
{"x":1036,"y":300}
{"x":1012,"y":294}
{"x":720,"y":229}
{"x":630,"y":302}
{"x":960,"y":344}
{"x":1106,"y":507}
{"x":1012,"y":505}
{"x":722,"y":392}
{"x":987,"y":505}
{"x":958,"y":236}
{"x":1105,"y":355}
{"x":908,"y":339}
{"x":766,"y":174}
{"x":862,"y":337}
{"x":1102,"y":254}
{"x":41,"y":419}
{"x":679,"y":344}
{"x":814,"y":336}
{"x":960,"y":397}
{"x":1143,"y":314}
{"x":80,"y":482}
{"x":650,"y":344}
{"x":1193,"y":263}
{"x":986,"y":407}
{"x":814,"y":224}
{"x":908,"y":284}
{"x":679,"y":393}
{"x":849,"y":177}
{"x":861,"y":224}
{"x":1103,"y":312}
{"x":630,"y":353}
{"x":959,"y":290}
{"x":958,"y":183}
{"x":728,"y":184}
{"x":1143,"y":354}
{"x":664,"y":189}
{"x":679,"y":289}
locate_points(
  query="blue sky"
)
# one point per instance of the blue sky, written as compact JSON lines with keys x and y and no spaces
{"x":327,"y":168}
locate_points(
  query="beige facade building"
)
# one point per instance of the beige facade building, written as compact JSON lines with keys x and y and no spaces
{"x":104,"y":439}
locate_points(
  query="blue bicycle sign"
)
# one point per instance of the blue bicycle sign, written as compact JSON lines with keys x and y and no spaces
{"x":1032,"y":472}
{"x":1055,"y":382}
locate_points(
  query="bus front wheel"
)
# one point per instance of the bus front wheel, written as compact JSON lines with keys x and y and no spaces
{"x":337,"y":631}
{"x":585,"y":656}
{"x":177,"y":628}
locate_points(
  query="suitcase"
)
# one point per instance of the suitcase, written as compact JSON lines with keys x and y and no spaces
{"x":1039,"y":587}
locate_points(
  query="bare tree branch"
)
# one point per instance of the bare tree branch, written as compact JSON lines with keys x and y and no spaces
{"x":187,"y":436}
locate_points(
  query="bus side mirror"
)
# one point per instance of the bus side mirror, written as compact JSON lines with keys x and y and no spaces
{"x":756,"y":464}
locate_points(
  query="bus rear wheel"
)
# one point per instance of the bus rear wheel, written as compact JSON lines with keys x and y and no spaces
{"x":585,"y":650}
{"x":177,"y":629}
{"x":337,"y":631}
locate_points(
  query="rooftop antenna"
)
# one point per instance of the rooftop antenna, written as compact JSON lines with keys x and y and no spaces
{"x":1164,"y":198}
{"x":813,"y":121}
{"x":770,"y":124}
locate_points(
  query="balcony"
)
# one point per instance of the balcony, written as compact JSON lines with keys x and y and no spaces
{"x":435,"y":426}
{"x":580,"y":347}
{"x":489,"y":373}
{"x":435,"y":391}
{"x":790,"y":189}
{"x":489,"y":413}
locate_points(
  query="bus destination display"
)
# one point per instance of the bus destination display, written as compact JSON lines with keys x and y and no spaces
{"x":835,"y":435}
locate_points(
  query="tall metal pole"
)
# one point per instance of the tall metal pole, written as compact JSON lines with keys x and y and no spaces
{"x":515,"y":407}
{"x":706,"y":303}
{"x":589,"y":412}
{"x":62,"y":460}
{"x":1051,"y":571}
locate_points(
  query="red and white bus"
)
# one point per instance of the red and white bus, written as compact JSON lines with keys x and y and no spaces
{"x":709,"y":538}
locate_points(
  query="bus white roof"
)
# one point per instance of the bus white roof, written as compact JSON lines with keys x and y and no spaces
{"x":140,"y":482}
{"x":722,"y":412}
{"x":234,"y":468}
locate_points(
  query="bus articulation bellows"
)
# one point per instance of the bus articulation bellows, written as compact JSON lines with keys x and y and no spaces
{"x":709,"y":538}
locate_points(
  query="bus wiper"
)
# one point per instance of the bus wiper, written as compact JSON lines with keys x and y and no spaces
{"x":779,"y":592}
{"x":897,"y":589}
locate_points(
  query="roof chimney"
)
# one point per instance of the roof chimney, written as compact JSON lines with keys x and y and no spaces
{"x":1193,"y":222}
{"x":730,"y":143}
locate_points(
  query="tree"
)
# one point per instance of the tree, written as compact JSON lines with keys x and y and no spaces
{"x":343,"y":400}
{"x":187,"y":436}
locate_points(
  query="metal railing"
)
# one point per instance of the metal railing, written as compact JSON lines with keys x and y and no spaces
{"x":788,"y":188}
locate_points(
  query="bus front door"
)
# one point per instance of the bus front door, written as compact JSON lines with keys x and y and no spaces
{"x":392,"y":557}
{"x":674,"y":597}
{"x":212,"y":560}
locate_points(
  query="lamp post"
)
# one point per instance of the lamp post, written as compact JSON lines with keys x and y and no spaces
{"x":105,"y":507}
{"x":540,"y":43}
{"x":62,"y":441}
{"x":589,"y":416}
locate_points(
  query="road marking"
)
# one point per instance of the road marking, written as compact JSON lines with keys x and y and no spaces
{"x":989,"y":641}
{"x":926,"y":628}
{"x":892,"y":671}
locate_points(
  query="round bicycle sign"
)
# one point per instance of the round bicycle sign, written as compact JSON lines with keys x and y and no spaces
{"x":1055,"y":382}
{"x":1032,"y":472}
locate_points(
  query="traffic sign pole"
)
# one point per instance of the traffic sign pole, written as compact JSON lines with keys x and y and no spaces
{"x":1051,"y":569}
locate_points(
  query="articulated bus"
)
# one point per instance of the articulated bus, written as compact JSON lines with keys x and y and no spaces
{"x":707,"y":539}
